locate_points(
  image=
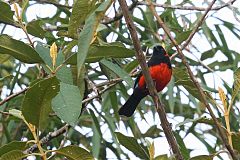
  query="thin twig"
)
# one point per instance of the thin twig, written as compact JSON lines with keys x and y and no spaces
{"x":184,"y":61}
{"x":150,"y":85}
{"x":12,"y":96}
{"x":195,"y":8}
{"x":47,"y":138}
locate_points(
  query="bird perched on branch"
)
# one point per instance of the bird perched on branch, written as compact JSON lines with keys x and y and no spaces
{"x":160,"y":70}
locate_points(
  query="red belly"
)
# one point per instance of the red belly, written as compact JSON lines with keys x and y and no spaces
{"x":161,"y":75}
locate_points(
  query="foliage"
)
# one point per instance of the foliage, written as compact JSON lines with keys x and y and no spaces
{"x":79,"y":67}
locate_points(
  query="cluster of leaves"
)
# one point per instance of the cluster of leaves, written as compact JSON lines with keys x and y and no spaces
{"x":89,"y":62}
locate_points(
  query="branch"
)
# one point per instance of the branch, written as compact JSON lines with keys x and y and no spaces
{"x":189,"y":7}
{"x":47,"y":138}
{"x":184,"y":60}
{"x":12,"y":96}
{"x":150,"y":85}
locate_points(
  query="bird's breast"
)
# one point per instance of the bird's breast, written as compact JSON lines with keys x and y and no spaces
{"x":161,"y":75}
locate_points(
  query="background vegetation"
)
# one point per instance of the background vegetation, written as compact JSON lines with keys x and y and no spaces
{"x":64,"y":78}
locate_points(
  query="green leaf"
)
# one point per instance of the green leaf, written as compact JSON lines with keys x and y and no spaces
{"x":16,"y":113}
{"x":209,"y":53}
{"x":87,"y":34}
{"x":117,"y":70}
{"x":13,"y":155}
{"x":202,"y":157}
{"x":36,"y":105}
{"x":65,"y":75}
{"x":185,"y":152}
{"x":14,"y":145}
{"x":68,"y":103}
{"x":236,"y":141}
{"x":236,"y":83}
{"x":152,"y":132}
{"x":34,"y":28}
{"x":97,"y":52}
{"x":80,"y":11}
{"x":44,"y":53}
{"x":182,"y":36}
{"x":162,"y":157}
{"x":97,"y":134}
{"x":188,"y":121}
{"x":18,"y":50}
{"x":6,"y":14}
{"x":182,"y":78}
{"x":4,"y":58}
{"x":75,"y":153}
{"x":131,"y":144}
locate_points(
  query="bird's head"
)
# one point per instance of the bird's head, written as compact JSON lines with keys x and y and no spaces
{"x":159,"y":51}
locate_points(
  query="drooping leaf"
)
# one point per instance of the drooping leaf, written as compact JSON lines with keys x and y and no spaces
{"x":6,"y":14}
{"x":117,"y":70}
{"x":87,"y":34}
{"x":18,"y":50}
{"x":75,"y":153}
{"x":236,"y":141}
{"x":13,"y":155}
{"x":185,"y":152}
{"x":162,"y":157}
{"x":80,"y":11}
{"x":34,"y":28}
{"x":68,"y":103}
{"x":182,"y":78}
{"x":14,"y":145}
{"x":97,"y":52}
{"x":236,"y":83}
{"x":36,"y":105}
{"x":202,"y":157}
{"x":131,"y":144}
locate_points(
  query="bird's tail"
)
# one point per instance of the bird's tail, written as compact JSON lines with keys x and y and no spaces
{"x":130,"y":106}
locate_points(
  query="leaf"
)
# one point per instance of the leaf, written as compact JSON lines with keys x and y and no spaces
{"x":75,"y":153}
{"x":44,"y":53}
{"x":13,"y":155}
{"x":202,"y":157}
{"x":117,"y":70}
{"x":162,"y":157}
{"x":68,"y":103}
{"x":97,"y":52}
{"x":182,"y":78}
{"x":88,"y":32}
{"x":131,"y":144}
{"x":236,"y":141}
{"x":189,"y":120}
{"x":65,"y":75}
{"x":209,"y":53}
{"x":183,"y":149}
{"x":36,"y":105}
{"x":223,"y":97}
{"x":80,"y":11}
{"x":97,"y":134}
{"x":18,"y":50}
{"x":152,"y":132}
{"x":16,"y":113}
{"x":182,"y":36}
{"x":4,"y":58}
{"x":34,"y":28}
{"x":6,"y":14}
{"x":53,"y":53}
{"x":236,"y":83}
{"x":14,"y":145}
{"x":152,"y":151}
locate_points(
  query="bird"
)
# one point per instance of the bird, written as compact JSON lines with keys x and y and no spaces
{"x":160,"y":70}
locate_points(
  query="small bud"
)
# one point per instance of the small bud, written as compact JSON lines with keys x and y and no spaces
{"x":53,"y":53}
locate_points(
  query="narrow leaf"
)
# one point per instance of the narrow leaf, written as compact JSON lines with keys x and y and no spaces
{"x":88,"y":32}
{"x":18,"y":50}
{"x":117,"y":70}
{"x":236,"y":83}
{"x":131,"y":144}
{"x":68,"y":103}
{"x":13,"y":155}
{"x":6,"y":14}
{"x":14,"y":145}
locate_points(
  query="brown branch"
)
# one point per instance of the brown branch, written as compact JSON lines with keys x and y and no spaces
{"x":184,"y":60}
{"x":12,"y":96}
{"x":195,"y":8}
{"x":150,"y":85}
{"x":47,"y":138}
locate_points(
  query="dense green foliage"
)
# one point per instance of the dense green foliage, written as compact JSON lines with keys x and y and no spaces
{"x":94,"y":71}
